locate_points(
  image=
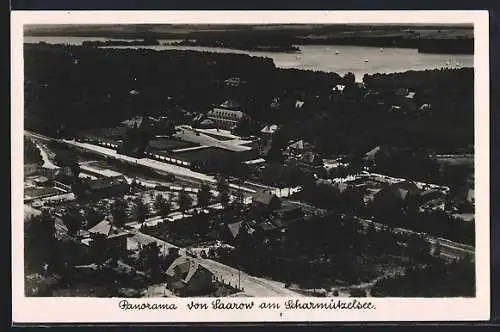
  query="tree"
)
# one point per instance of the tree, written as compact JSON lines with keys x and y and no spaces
{"x":349,"y":79}
{"x":240,"y":198}
{"x":163,"y":205}
{"x":68,"y":158}
{"x":119,"y":212}
{"x":73,"y":220}
{"x":149,"y":256}
{"x":204,"y":195}
{"x":39,"y":241}
{"x":223,"y":189}
{"x":99,"y":248}
{"x":141,"y":210}
{"x":184,"y":201}
{"x":31,"y":152}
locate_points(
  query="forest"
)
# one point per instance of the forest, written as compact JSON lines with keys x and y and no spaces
{"x":71,"y":88}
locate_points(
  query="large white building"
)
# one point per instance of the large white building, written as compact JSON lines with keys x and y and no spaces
{"x":227,"y":115}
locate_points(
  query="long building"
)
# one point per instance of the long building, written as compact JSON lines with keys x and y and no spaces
{"x":227,"y":115}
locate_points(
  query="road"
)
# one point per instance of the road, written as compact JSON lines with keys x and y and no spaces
{"x":179,"y":171}
{"x":252,"y":286}
{"x":45,"y":157}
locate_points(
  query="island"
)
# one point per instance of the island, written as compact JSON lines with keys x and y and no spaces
{"x":242,"y":45}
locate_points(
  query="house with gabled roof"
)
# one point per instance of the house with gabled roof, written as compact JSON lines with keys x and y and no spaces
{"x":114,"y":237}
{"x":186,"y":277}
{"x":265,"y":200}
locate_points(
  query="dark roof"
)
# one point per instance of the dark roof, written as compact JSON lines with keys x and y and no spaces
{"x":264,"y":197}
{"x":266,"y":226}
{"x":183,"y":267}
{"x":107,"y":182}
{"x":230,"y":104}
{"x":106,"y":228}
{"x":234,"y":228}
{"x":278,"y":223}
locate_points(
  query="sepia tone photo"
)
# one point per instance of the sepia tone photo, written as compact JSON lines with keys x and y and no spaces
{"x":249,"y":160}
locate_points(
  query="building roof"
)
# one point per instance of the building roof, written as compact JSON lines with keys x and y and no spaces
{"x":183,"y":267}
{"x":41,"y":179}
{"x":134,"y":122}
{"x":371,"y":154}
{"x":299,"y":104}
{"x":270,"y":129}
{"x":207,"y":122}
{"x":264,"y":197}
{"x":401,"y":193}
{"x":106,"y":228}
{"x":230,"y":104}
{"x":309,"y":157}
{"x":104,"y":183}
{"x":235,"y":228}
{"x":234,"y":80}
{"x":299,"y":145}
{"x":410,"y":95}
{"x":266,"y":226}
{"x":470,"y":195}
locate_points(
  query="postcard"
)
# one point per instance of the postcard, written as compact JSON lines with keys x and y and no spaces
{"x":281,"y":166}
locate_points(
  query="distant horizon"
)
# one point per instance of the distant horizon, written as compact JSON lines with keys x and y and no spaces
{"x":186,"y":28}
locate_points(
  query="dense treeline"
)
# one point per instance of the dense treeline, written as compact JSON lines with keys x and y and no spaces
{"x":79,"y":87}
{"x":360,"y":118}
{"x":71,"y":88}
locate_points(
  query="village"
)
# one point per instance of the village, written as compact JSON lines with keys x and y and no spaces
{"x":213,"y":203}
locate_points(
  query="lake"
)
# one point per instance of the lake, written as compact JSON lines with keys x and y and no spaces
{"x":339,"y":59}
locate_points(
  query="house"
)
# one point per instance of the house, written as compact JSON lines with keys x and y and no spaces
{"x":265,"y":200}
{"x":299,"y":104}
{"x":431,"y":194}
{"x":207,"y":124}
{"x":186,"y":277}
{"x":114,"y":237}
{"x":395,"y":108}
{"x":234,"y":229}
{"x":310,"y":161}
{"x":410,"y":95}
{"x":296,"y":149}
{"x":234,"y":82}
{"x":135,"y":122}
{"x":275,"y":104}
{"x":401,"y":92}
{"x":227,"y":115}
{"x":425,"y":107}
{"x":339,"y":88}
{"x":41,"y":181}
{"x":269,"y":130}
{"x":266,"y":226}
{"x":404,"y":192}
{"x":370,"y":156}
{"x":104,"y":187}
{"x":470,"y":195}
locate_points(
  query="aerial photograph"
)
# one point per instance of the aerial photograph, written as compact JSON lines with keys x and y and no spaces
{"x":273,"y":160}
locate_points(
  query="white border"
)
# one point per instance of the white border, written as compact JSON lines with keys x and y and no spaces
{"x":85,"y":310}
